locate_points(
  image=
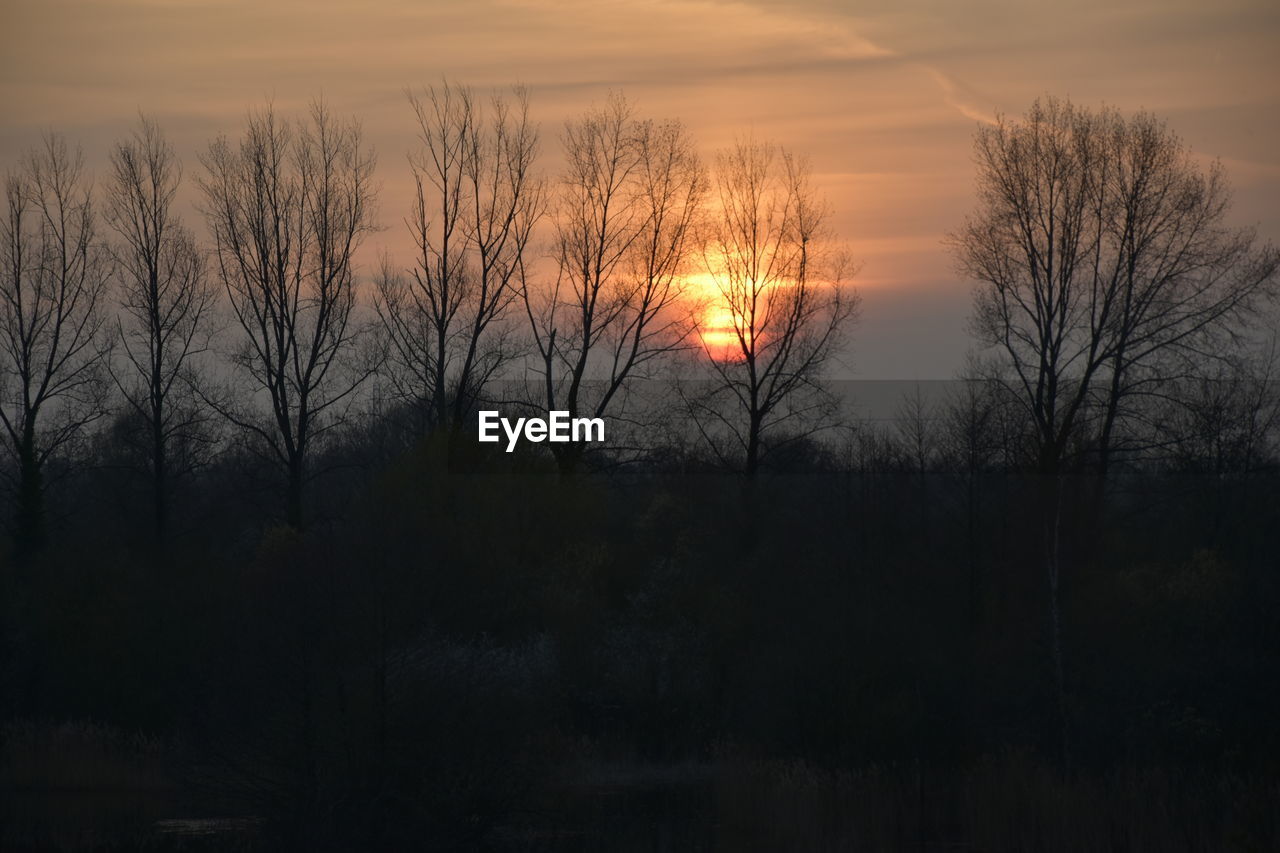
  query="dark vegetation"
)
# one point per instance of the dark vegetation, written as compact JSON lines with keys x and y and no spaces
{"x":488,"y":651}
{"x":336,"y":622}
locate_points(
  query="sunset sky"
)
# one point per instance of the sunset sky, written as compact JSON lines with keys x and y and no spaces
{"x":882,"y":95}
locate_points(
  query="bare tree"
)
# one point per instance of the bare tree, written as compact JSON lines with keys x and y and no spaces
{"x":1188,"y":282}
{"x":165,"y":304}
{"x":1103,"y":262}
{"x":782,"y":302}
{"x":1226,"y":423}
{"x":917,"y":435}
{"x":55,"y":275}
{"x":288,"y":207}
{"x":917,"y":431}
{"x":627,"y":227}
{"x":476,"y":203}
{"x":972,"y":441}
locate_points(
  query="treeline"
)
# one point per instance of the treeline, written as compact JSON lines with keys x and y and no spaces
{"x":265,"y":338}
{"x":1109,"y":283}
{"x":250,"y":517}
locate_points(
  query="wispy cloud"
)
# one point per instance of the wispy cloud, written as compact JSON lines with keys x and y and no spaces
{"x":883,"y":94}
{"x":961,"y":98}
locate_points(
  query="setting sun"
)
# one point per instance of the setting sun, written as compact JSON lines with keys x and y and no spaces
{"x":717,"y":330}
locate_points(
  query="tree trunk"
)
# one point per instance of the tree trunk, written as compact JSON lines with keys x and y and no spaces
{"x":29,"y":533}
{"x":440,"y":401}
{"x":1051,"y":490}
{"x":293,"y":508}
{"x":971,"y":546}
{"x":159,"y":472}
{"x":753,"y":447}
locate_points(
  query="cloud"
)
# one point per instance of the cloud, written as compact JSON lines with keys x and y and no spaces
{"x":882,"y":95}
{"x":961,"y":98}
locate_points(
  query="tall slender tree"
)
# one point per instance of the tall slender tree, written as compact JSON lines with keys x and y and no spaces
{"x":288,"y":207}
{"x":165,"y":305}
{"x":54,"y":280}
{"x":1104,"y":262}
{"x":627,"y":229}
{"x":477,"y":200}
{"x":783,"y":301}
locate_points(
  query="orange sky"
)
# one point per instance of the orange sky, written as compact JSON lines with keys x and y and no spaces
{"x":882,"y":95}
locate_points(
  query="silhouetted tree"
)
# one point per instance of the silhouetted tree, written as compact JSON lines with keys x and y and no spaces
{"x":1224,"y":421}
{"x":972,"y":439}
{"x":54,"y":279}
{"x":288,"y":208}
{"x":1222,"y":426}
{"x":917,"y":430}
{"x":917,"y":435}
{"x":1103,"y":258}
{"x":476,"y":203}
{"x":782,"y":300}
{"x":165,"y":303}
{"x":627,"y":219}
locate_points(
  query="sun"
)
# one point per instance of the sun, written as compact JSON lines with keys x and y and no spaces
{"x":721,"y":336}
